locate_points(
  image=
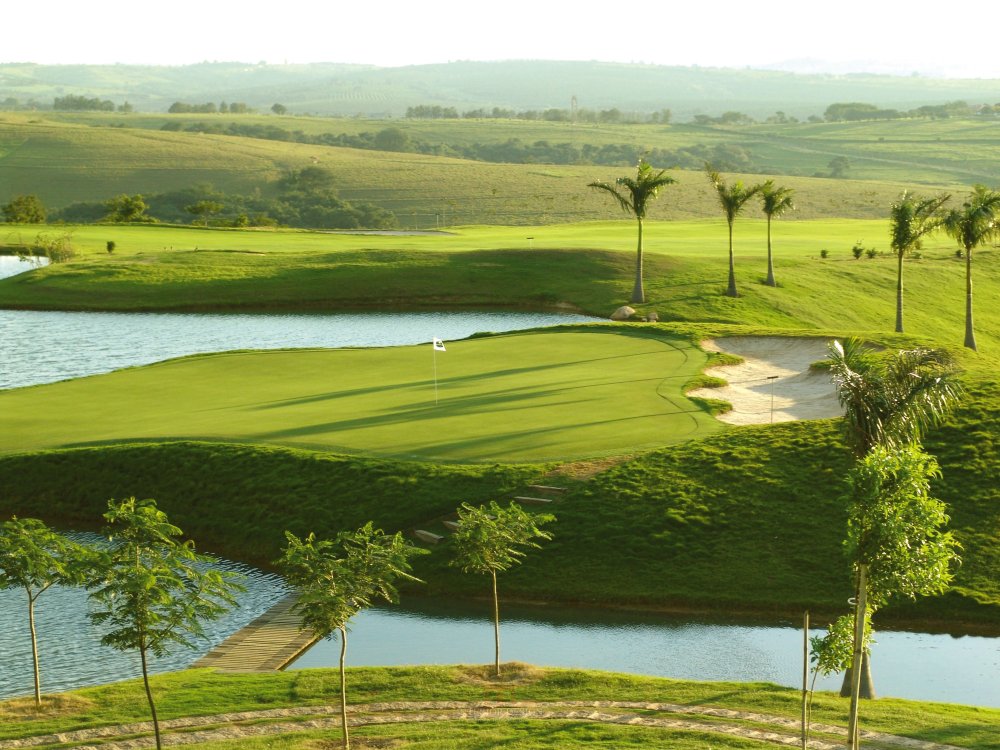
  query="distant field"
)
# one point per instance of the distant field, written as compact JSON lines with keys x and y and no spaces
{"x":64,"y":162}
{"x":529,"y":397}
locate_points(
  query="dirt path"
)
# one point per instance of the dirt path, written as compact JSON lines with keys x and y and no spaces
{"x":233,"y":726}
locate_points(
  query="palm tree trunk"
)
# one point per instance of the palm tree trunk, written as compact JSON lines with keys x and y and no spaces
{"x":899,"y":292}
{"x":731,"y":291}
{"x":34,"y":651}
{"x":343,"y":685}
{"x":770,"y":268}
{"x":638,"y":294}
{"x":149,"y":697}
{"x":496,"y":623}
{"x":859,"y":633}
{"x":970,"y":335}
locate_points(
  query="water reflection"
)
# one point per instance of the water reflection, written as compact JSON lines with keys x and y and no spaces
{"x":919,"y":666}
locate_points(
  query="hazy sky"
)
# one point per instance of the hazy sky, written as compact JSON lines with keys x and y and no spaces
{"x":882,"y":35}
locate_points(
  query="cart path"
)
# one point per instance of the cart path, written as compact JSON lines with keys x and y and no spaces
{"x":233,"y":726}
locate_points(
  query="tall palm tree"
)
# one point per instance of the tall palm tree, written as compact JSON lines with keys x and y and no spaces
{"x":732,"y":198}
{"x":775,"y":201}
{"x":634,"y":195}
{"x":974,"y":224}
{"x":910,"y":218}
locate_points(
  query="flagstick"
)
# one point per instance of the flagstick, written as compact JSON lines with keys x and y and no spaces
{"x":435,"y":375}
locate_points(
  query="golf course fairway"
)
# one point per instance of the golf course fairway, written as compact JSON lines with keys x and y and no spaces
{"x":533,"y":396}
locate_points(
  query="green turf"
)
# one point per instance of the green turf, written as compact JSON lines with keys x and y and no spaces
{"x":535,"y":397}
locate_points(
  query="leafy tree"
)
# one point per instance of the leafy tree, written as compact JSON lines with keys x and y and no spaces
{"x":732,"y":199}
{"x":634,"y":195}
{"x":24,"y":209}
{"x":152,"y":591}
{"x":775,"y":201}
{"x":838,"y":167}
{"x":895,"y":539}
{"x":910,"y":219}
{"x":126,"y":208}
{"x":337,"y":579}
{"x":890,"y":400}
{"x":491,"y":539}
{"x":973,"y":225}
{"x":279,"y":109}
{"x":33,"y":557}
{"x":204,"y":210}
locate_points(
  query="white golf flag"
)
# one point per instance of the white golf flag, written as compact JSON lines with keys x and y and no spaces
{"x":439,"y":346}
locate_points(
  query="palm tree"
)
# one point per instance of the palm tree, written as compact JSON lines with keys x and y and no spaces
{"x":775,"y":201}
{"x":975,"y":224}
{"x":910,"y":218}
{"x":633,"y":199}
{"x":891,"y":401}
{"x":732,"y":198}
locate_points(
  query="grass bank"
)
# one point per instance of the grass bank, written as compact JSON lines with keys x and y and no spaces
{"x":196,"y":693}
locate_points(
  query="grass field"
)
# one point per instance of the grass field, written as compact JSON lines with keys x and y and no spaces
{"x":200,"y":693}
{"x":526,"y":397}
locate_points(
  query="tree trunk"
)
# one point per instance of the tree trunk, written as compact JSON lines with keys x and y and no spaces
{"x":861,"y":602}
{"x":770,"y":267}
{"x":34,"y":650}
{"x":731,"y":291}
{"x":805,"y":680}
{"x":638,"y":294}
{"x":970,"y":336}
{"x":899,"y":292}
{"x":867,"y":691}
{"x":343,"y":685}
{"x":149,"y":697}
{"x":496,"y":623}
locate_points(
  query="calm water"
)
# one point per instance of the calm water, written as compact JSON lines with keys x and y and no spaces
{"x":70,"y":653}
{"x":42,"y":347}
{"x":919,"y":666}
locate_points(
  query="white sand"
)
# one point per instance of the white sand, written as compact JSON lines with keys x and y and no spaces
{"x":798,"y":392}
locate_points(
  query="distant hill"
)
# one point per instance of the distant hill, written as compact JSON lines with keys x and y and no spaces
{"x":343,"y":89}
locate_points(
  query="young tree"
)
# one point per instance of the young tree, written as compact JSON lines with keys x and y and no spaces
{"x":152,"y":591}
{"x":24,"y":209}
{"x":910,"y":219}
{"x":775,"y":201}
{"x":126,"y":208}
{"x":973,"y":225}
{"x":337,"y":579}
{"x":732,"y":199}
{"x":634,"y":196}
{"x":490,"y":539}
{"x":895,"y":539}
{"x":33,"y":557}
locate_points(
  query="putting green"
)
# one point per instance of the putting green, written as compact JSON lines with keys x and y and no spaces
{"x":517,"y":397}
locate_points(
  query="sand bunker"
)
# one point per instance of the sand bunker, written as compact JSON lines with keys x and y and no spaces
{"x":798,"y":392}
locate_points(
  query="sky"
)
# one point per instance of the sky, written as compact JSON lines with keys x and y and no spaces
{"x":845,"y":36}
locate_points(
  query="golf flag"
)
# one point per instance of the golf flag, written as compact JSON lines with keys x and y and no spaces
{"x":439,"y":346}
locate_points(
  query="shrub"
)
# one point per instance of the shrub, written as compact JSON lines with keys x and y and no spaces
{"x":871,"y":252}
{"x":824,"y":253}
{"x":857,"y":250}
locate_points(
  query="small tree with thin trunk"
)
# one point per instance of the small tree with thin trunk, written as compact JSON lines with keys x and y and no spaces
{"x":973,"y":225}
{"x":634,"y":196}
{"x":775,"y":201}
{"x":336,"y":579}
{"x":732,"y":199}
{"x":151,"y":591}
{"x":895,"y":539}
{"x":910,"y":220}
{"x":490,"y":539}
{"x":33,"y":557}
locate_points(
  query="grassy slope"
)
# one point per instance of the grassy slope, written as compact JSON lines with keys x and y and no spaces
{"x":200,"y":692}
{"x":539,"y":397}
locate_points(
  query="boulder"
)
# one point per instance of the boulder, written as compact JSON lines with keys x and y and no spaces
{"x":623,"y":313}
{"x":652,"y":317}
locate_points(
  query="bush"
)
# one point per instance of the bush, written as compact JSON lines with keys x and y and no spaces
{"x":857,"y":250}
{"x":824,"y":253}
{"x":871,"y":252}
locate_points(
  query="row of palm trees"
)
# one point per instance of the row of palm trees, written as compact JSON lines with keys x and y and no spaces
{"x":911,"y":219}
{"x":635,"y":194}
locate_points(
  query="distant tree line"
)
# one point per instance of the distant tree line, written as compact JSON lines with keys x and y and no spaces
{"x":303,"y":198}
{"x":854,"y":111}
{"x":211,"y":108}
{"x":510,"y":151}
{"x":73,"y":103}
{"x":613,"y":115}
